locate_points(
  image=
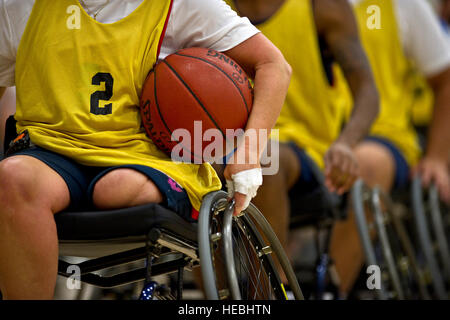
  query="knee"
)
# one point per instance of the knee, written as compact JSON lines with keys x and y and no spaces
{"x":16,"y":179}
{"x":124,"y":188}
{"x":15,"y":189}
{"x":376,"y":164}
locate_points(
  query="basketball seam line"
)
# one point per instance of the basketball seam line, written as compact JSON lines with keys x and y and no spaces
{"x":161,"y":116}
{"x":195,"y":97}
{"x":209,"y":62}
{"x":157,"y":104}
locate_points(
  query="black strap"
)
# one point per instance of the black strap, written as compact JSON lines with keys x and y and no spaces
{"x":10,"y":132}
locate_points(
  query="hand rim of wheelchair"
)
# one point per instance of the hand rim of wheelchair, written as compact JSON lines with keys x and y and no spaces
{"x":216,"y":202}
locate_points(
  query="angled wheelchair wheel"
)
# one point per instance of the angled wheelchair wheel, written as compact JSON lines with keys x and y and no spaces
{"x":382,"y":227}
{"x":439,"y":230}
{"x":237,"y":261}
{"x":360,"y":197}
{"x":403,"y":277}
{"x":411,"y":275}
{"x":407,"y":279}
{"x":425,"y":239}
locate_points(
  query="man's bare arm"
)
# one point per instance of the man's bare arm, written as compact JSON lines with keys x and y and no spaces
{"x":271,"y":73}
{"x":336,"y":23}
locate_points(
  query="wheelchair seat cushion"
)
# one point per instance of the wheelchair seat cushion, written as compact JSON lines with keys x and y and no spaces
{"x":121,"y":223}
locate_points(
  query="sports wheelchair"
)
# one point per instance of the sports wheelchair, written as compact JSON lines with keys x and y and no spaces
{"x":394,"y":231}
{"x":398,"y":239}
{"x":237,"y":254}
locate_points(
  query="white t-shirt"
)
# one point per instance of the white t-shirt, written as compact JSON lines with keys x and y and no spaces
{"x":192,"y":23}
{"x":424,"y":40}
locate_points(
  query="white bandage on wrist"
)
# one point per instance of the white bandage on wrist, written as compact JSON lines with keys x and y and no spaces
{"x":246,"y":182}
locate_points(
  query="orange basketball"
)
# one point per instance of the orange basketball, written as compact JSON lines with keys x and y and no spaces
{"x":191,"y":88}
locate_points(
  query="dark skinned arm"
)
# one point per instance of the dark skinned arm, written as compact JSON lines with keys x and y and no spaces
{"x":433,"y":167}
{"x":336,"y":23}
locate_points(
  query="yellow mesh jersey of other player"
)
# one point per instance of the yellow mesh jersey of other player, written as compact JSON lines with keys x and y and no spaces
{"x":313,"y":112}
{"x":392,"y":71}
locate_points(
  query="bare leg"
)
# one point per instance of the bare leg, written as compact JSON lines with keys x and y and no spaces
{"x":135,"y":189}
{"x":30,"y":193}
{"x":377,"y":168}
{"x":377,"y":165}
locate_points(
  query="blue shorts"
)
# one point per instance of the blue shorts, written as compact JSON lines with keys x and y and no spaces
{"x":401,"y":177}
{"x":307,"y":182}
{"x":81,"y":181}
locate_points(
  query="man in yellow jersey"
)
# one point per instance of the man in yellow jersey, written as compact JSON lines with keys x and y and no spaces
{"x":313,"y":35}
{"x":398,"y":35}
{"x":79,"y":67}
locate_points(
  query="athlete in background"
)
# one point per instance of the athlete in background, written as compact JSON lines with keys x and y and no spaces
{"x":314,"y":36}
{"x":407,"y":37}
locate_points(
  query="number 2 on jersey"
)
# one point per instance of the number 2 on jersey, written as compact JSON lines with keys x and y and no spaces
{"x":102,"y":95}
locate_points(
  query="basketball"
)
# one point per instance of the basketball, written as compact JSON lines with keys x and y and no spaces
{"x":191,"y":92}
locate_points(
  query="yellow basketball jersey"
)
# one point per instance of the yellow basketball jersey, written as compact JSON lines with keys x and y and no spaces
{"x":423,"y":105}
{"x":392,"y":71}
{"x":312,"y":114}
{"x":78,"y":87}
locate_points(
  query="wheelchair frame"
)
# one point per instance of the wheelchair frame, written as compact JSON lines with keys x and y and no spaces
{"x":167,"y":247}
{"x":178,"y":254}
{"x":182,"y":254}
